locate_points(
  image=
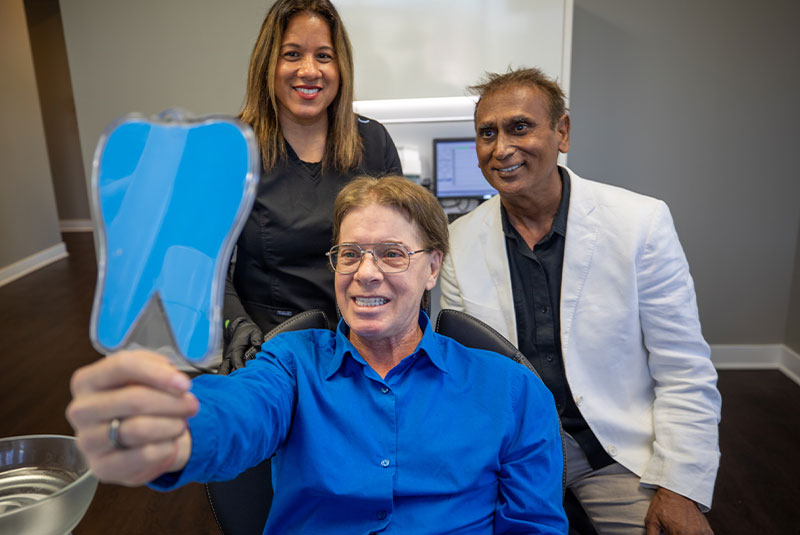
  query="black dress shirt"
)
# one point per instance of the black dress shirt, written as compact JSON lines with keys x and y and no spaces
{"x":536,"y":288}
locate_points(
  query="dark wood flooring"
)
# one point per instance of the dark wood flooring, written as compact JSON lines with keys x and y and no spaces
{"x":44,"y":336}
{"x":44,"y":326}
{"x":758,"y":485}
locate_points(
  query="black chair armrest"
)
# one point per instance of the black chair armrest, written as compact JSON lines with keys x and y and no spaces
{"x":310,"y":319}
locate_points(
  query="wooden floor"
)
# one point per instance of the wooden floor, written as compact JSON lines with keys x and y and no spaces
{"x":44,"y":326}
{"x":44,"y":336}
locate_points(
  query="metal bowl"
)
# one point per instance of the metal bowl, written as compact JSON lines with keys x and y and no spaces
{"x":45,"y":485}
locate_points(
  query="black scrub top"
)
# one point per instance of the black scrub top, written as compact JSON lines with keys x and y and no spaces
{"x":281,"y":268}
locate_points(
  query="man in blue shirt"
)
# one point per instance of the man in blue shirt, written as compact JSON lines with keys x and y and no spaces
{"x":381,"y":427}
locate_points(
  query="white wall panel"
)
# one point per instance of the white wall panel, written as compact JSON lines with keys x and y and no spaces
{"x":435,"y":48}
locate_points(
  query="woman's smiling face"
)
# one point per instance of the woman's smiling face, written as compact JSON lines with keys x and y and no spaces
{"x":307,"y":73}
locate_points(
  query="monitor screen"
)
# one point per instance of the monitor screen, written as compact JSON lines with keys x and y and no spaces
{"x":455,"y":170}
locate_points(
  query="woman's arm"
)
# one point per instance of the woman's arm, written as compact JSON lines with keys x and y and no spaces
{"x":240,"y":333}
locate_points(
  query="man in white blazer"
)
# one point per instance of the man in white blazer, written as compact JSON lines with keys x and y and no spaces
{"x":591,"y":282}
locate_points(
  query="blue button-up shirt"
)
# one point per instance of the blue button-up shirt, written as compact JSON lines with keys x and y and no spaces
{"x":452,"y":440}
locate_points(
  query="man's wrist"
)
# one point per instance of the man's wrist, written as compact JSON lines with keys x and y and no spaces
{"x":676,"y":495}
{"x":184,"y":447}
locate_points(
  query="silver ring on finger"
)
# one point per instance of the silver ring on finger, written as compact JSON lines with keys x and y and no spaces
{"x":113,"y":435}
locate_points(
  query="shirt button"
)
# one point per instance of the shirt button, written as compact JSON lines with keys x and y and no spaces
{"x":385,"y":389}
{"x":612,"y":451}
{"x":381,"y":515}
{"x":549,"y":358}
{"x":385,"y":463}
{"x":543,"y":309}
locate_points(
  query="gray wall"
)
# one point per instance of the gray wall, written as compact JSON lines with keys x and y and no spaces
{"x":149,"y":55}
{"x":793,"y":319}
{"x":696,"y":103}
{"x":28,"y":221}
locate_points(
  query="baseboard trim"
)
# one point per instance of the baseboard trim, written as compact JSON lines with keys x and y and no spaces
{"x":75,"y":225}
{"x":30,"y":264}
{"x":790,"y":364}
{"x":757,"y":357}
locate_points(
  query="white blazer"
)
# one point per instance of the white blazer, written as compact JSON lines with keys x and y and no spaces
{"x":635,"y":358}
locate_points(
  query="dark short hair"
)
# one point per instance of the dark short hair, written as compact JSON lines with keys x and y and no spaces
{"x":530,"y":77}
{"x":417,"y":203}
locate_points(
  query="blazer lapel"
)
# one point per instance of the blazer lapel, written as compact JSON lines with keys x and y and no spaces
{"x":493,"y":246}
{"x":578,"y":251}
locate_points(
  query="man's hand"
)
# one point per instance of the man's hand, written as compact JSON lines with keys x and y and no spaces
{"x":673,"y":514}
{"x":129,"y":413}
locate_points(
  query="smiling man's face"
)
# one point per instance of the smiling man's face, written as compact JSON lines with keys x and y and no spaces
{"x":383,"y":308}
{"x":516,"y":145}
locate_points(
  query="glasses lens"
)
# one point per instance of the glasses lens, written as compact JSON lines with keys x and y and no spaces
{"x":345,"y":258}
{"x":391,"y":257}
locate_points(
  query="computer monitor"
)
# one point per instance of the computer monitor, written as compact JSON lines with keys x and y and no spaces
{"x":456,"y":174}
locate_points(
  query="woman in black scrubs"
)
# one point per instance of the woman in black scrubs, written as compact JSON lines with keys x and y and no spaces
{"x":299,"y":103}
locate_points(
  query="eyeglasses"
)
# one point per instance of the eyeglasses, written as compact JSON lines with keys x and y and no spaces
{"x":346,"y":258}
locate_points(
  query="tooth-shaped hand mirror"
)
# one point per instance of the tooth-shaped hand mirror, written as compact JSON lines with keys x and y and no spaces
{"x":170,"y":196}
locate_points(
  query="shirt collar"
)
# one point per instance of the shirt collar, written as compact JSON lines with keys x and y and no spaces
{"x":559,"y":225}
{"x":427,"y":346}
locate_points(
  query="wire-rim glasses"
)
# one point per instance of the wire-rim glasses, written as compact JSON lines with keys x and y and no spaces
{"x":389,"y":257}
